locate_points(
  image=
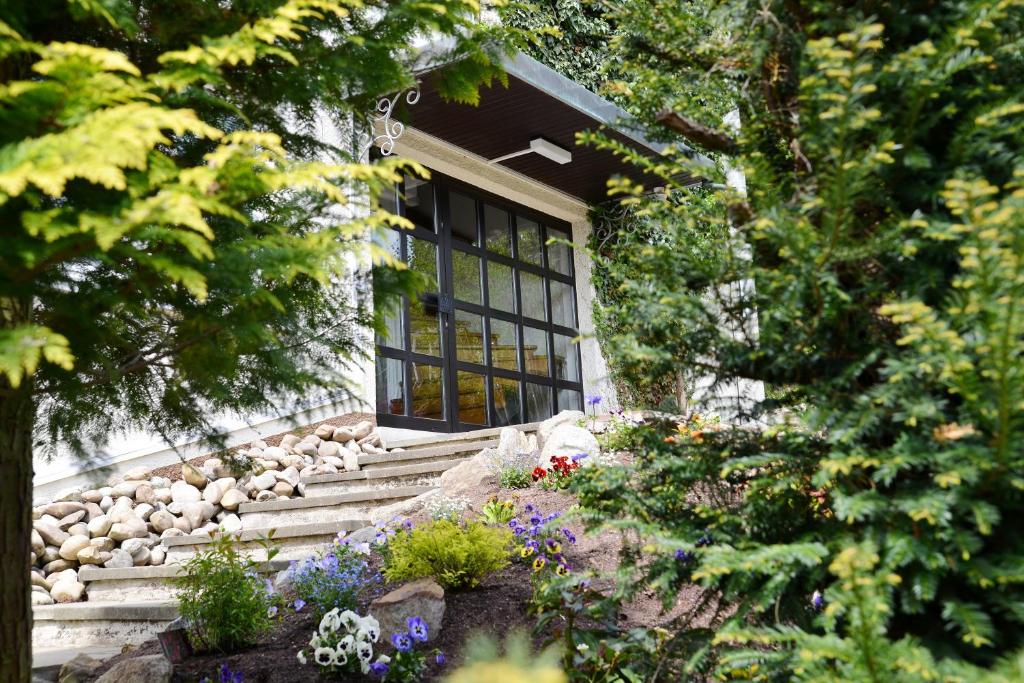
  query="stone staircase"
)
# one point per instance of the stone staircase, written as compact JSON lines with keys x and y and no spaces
{"x":130,"y":605}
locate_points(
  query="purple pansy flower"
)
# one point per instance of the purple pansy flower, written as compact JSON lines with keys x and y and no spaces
{"x":401,"y":641}
{"x":440,"y":659}
{"x":417,"y":628}
{"x":299,"y":604}
{"x":379,"y":669}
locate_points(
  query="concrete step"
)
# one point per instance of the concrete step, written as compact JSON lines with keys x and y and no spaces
{"x":375,"y":479}
{"x":428,"y":440}
{"x":140,"y":584}
{"x":444,"y":452}
{"x":108,"y":624}
{"x":328,"y":508}
{"x":294,"y":541}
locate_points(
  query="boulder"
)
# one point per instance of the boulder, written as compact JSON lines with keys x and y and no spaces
{"x":40,"y":597}
{"x":50,"y":533}
{"x":103,"y":543}
{"x":328,"y":449}
{"x":162,"y":495}
{"x":569,"y":440}
{"x":570,"y":417}
{"x":136,"y":474}
{"x":193,"y":475}
{"x":60,"y":510}
{"x":38,"y":545}
{"x":232,"y":499}
{"x":161,"y":520}
{"x":351,"y":461}
{"x":274,"y":453}
{"x":80,"y":529}
{"x":265,"y":496}
{"x":133,"y":528}
{"x":423,"y":598}
{"x":148,"y":669}
{"x":157,"y":555}
{"x":79,"y":669}
{"x":172,"y":532}
{"x":306,"y":448}
{"x":471,"y":477}
{"x":119,"y":559}
{"x":92,"y":496}
{"x":126,"y":488}
{"x":290,"y":475}
{"x":283,"y":488}
{"x":231,"y":524}
{"x":258,"y":443}
{"x":67,"y":591}
{"x":213,"y":492}
{"x":106,"y":502}
{"x":196,"y":513}
{"x":93,"y":555}
{"x":324,"y":432}
{"x":69,"y":548}
{"x":123,"y":511}
{"x":145,"y":494}
{"x":50,"y":553}
{"x":141,"y":559}
{"x":511,"y":442}
{"x":143,"y":511}
{"x":182,"y":525}
{"x":262,"y":482}
{"x":362,"y":429}
{"x":183,"y":492}
{"x":92,"y":511}
{"x":289,"y":440}
{"x":343,"y":435}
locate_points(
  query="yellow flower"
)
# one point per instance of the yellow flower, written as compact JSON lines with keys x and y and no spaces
{"x":526,"y":551}
{"x":538,"y":564}
{"x":561,"y":570}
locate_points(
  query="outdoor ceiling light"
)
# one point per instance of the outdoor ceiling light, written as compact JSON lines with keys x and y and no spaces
{"x":542,"y":147}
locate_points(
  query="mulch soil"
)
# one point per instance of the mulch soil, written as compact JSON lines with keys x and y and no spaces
{"x":173,"y":471}
{"x":495,"y":608}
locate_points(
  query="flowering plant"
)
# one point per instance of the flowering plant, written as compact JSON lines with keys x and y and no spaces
{"x":224,"y":675}
{"x":498,"y":511}
{"x":344,"y":643}
{"x":560,"y":474}
{"x":446,"y":507}
{"x":334,"y":578}
{"x":540,"y":546}
{"x":408,"y":663}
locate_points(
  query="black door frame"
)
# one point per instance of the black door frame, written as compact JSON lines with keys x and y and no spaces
{"x":447,"y":305}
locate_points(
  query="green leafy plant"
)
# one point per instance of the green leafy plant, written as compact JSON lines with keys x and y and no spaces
{"x":332,"y":578}
{"x":485,"y":661}
{"x":515,"y":477}
{"x":457,"y":556}
{"x":497,"y":512}
{"x":223,"y":599}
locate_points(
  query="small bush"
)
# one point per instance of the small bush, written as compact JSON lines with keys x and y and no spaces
{"x":456,"y":556}
{"x":445,"y":507}
{"x":223,"y":599}
{"x":516,"y":477}
{"x":497,"y":512}
{"x":334,"y":578}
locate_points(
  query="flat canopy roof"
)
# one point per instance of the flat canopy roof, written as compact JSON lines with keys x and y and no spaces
{"x":538,"y":103}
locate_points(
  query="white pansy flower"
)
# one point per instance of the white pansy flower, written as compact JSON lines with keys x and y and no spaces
{"x":348,"y":643}
{"x":364,"y":651}
{"x":350,"y":620}
{"x":324,"y":656}
{"x":364,"y":664}
{"x":341,"y":656}
{"x":372,"y":628}
{"x":315,"y":641}
{"x":330,"y":622}
{"x":362,"y":548}
{"x":384,"y":659}
{"x":301,"y":656}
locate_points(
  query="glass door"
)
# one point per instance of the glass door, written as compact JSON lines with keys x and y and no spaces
{"x":489,"y":343}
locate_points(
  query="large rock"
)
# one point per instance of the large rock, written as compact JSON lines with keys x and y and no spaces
{"x":566,"y":417}
{"x":289,"y":440}
{"x":232,"y":499}
{"x":471,"y":476}
{"x":351,"y":461}
{"x":67,"y":591}
{"x":38,"y":546}
{"x":41,"y":597}
{"x":148,"y":669}
{"x":231,"y":524}
{"x":161,"y":520}
{"x":126,"y":488}
{"x":79,"y":669}
{"x":274,"y":453}
{"x":193,"y":475}
{"x":362,"y":429}
{"x":93,"y":555}
{"x":423,"y":598}
{"x":213,"y":492}
{"x":324,"y":431}
{"x":342,"y":435}
{"x":512,"y":442}
{"x":183,"y":492}
{"x":283,"y":488}
{"x":132,"y":528}
{"x":145,"y":494}
{"x":197,"y":513}
{"x":60,"y":510}
{"x":50,"y":533}
{"x":139,"y":473}
{"x":103,"y":543}
{"x":262,"y":482}
{"x":119,"y":559}
{"x":69,"y":548}
{"x":569,"y":440}
{"x":290,"y":475}
{"x":328,"y":449}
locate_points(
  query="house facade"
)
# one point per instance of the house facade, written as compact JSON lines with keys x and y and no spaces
{"x":504,"y":334}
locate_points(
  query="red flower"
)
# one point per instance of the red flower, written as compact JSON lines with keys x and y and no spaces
{"x":539,"y":473}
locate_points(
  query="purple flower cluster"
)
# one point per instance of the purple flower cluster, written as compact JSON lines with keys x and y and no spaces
{"x":332,"y":580}
{"x":540,"y":546}
{"x":225,"y":675}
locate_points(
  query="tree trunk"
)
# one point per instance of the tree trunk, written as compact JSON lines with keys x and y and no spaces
{"x":681,"y":398}
{"x":17,"y":417}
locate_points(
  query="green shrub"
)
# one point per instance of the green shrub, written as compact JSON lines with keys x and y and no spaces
{"x":496,"y":512}
{"x":456,"y":556}
{"x":223,"y":599}
{"x":517,"y":477}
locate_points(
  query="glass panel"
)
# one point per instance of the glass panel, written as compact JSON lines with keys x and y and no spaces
{"x":569,"y":399}
{"x":559,"y":255}
{"x":472,"y":398}
{"x":563,"y":304}
{"x":424,"y":329}
{"x":506,"y":402}
{"x":390,"y":307}
{"x":463,"y":211}
{"x":388,"y":199}
{"x":504,"y":349}
{"x":533,"y":296}
{"x":394,"y":330}
{"x":566,"y":359}
{"x":538,"y":402}
{"x":499,"y":237}
{"x":500,"y":288}
{"x":419,"y":202}
{"x":466,"y":277}
{"x":389,"y":386}
{"x":423,"y":260}
{"x":427,"y":392}
{"x":535,"y":350}
{"x":469,"y":337}
{"x":529,"y":240}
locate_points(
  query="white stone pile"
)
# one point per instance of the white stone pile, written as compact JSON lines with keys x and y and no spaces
{"x":123,"y":524}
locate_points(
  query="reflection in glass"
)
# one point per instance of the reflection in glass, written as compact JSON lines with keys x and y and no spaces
{"x":423,"y":260}
{"x":427,"y":392}
{"x":533,"y":295}
{"x":424,"y":329}
{"x":469,"y":337}
{"x":566,"y":359}
{"x":504,"y":349}
{"x":559,"y":255}
{"x":472,"y":398}
{"x":466,"y":277}
{"x":463,"y":213}
{"x":569,"y":399}
{"x":563,"y":304}
{"x":535,"y":350}
{"x":506,"y":402}
{"x":496,"y":228}
{"x":389,"y":386}
{"x":419,"y":202}
{"x":500,"y":289}
{"x":529,"y":240}
{"x":538,"y":402}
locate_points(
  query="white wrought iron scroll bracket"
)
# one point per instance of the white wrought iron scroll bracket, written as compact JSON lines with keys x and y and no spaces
{"x":386,"y":130}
